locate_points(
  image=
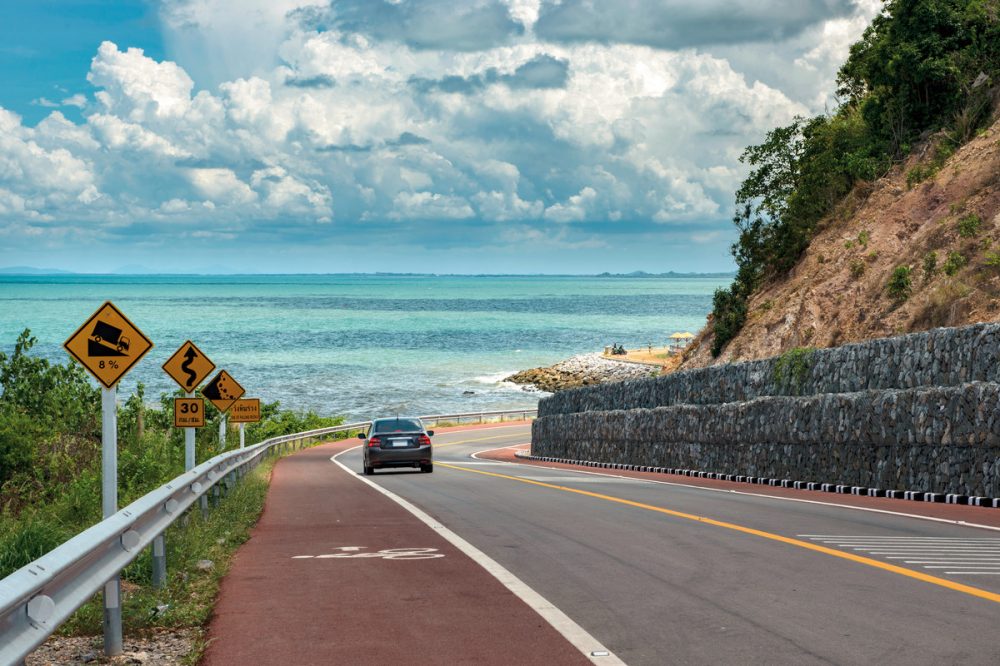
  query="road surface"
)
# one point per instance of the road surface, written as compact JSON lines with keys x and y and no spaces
{"x":672,"y":573}
{"x":596,"y":566}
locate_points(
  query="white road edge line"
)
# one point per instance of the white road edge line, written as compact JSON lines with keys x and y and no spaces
{"x":570,"y":630}
{"x":960,"y":523}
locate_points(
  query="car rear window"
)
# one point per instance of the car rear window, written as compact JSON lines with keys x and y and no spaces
{"x":398,"y":425}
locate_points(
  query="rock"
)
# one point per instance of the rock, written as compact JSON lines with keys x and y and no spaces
{"x":205,"y":565}
{"x":582,"y":370}
{"x":88,"y":657}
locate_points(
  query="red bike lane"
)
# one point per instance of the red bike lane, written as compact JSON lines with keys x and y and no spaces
{"x":335,"y":572}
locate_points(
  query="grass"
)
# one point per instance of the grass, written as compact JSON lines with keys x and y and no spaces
{"x":189,"y":594}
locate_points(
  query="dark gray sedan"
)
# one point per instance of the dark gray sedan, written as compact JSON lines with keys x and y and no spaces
{"x":397,"y":442}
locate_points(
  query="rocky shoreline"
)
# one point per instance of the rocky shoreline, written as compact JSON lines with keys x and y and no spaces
{"x":581,"y":370}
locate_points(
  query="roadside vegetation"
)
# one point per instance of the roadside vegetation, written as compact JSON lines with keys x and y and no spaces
{"x":925,"y":73}
{"x":50,"y":484}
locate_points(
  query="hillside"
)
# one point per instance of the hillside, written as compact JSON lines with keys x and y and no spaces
{"x":838,"y":291}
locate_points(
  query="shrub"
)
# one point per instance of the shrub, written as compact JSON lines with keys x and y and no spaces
{"x":969,"y":226}
{"x":930,"y":266}
{"x":993,"y":259}
{"x":900,"y":285}
{"x":792,"y":368}
{"x":863,"y":238}
{"x":730,"y":313}
{"x":857,"y":268}
{"x":955,"y":262}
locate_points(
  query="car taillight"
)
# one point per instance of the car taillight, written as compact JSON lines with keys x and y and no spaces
{"x":424,"y":440}
{"x":374,"y":441}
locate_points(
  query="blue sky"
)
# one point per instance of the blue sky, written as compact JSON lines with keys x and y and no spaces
{"x":396,"y":135}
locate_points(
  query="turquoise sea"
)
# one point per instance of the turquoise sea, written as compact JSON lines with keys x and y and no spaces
{"x":363,"y":345}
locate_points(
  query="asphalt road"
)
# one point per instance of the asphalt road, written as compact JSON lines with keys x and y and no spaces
{"x":665,"y":573}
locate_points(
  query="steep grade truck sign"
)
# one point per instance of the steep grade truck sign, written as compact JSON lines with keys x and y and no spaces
{"x":108,"y":345}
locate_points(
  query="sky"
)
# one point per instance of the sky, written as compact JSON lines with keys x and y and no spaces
{"x":426,"y":136}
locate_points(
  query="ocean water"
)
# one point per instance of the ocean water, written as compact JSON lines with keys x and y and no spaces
{"x":363,"y":345}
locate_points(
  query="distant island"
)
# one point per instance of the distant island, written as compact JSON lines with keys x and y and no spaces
{"x":668,"y":274}
{"x":29,"y":270}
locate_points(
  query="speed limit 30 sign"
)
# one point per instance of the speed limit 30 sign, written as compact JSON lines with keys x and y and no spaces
{"x":189,"y":413}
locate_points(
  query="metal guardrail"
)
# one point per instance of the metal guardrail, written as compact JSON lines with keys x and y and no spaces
{"x":481,"y":416}
{"x":37,"y":598}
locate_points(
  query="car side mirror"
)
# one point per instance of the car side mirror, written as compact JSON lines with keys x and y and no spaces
{"x":361,"y":435}
{"x":430,"y":433}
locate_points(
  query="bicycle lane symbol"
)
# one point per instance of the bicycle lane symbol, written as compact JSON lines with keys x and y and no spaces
{"x":351,"y":553}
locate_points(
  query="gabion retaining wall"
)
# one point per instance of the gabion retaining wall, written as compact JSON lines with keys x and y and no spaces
{"x":940,"y":357}
{"x":918,"y":412}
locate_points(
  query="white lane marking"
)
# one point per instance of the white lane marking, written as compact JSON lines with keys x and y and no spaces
{"x":386,"y":554}
{"x":960,"y":556}
{"x":570,"y":630}
{"x":500,"y":448}
{"x":947,"y":521}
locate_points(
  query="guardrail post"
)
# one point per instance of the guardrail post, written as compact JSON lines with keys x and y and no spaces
{"x":159,"y":561}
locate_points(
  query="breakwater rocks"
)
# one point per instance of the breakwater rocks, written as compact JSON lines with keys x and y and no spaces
{"x":917,"y":412}
{"x":581,"y":370}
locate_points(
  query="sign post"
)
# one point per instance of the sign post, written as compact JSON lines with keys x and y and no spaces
{"x":108,"y":345}
{"x":222,"y":392}
{"x":245,"y":411}
{"x":188,"y":367}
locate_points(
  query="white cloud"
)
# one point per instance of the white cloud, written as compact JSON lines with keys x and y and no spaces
{"x":575,"y":208}
{"x":285,"y":112}
{"x":430,"y":206}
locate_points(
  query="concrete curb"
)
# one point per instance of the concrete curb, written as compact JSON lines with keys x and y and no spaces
{"x":911,"y":495}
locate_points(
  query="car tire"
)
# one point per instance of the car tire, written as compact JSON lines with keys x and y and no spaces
{"x":369,"y":470}
{"x":427,"y":469}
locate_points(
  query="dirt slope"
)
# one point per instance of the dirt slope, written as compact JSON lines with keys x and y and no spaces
{"x":838,"y":291}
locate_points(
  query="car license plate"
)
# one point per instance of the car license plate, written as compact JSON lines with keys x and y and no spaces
{"x":399,"y":442}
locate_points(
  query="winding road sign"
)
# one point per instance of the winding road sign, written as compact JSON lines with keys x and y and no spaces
{"x":223,"y":391}
{"x":188,"y":366}
{"x":108,"y":345}
{"x":246,"y":410}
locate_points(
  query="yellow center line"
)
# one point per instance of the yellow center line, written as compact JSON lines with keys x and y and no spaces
{"x":467,"y":441}
{"x":885,"y":566}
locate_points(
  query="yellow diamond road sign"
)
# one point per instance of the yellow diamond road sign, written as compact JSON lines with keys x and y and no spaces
{"x":188,"y":366}
{"x":108,"y":345}
{"x":223,"y":391}
{"x":246,"y":410}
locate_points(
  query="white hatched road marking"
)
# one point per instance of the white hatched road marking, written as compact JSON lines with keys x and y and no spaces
{"x":953,"y":555}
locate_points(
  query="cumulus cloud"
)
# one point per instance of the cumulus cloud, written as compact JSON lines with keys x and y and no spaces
{"x":369,"y":118}
{"x":677,"y":24}
{"x":470,"y":25}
